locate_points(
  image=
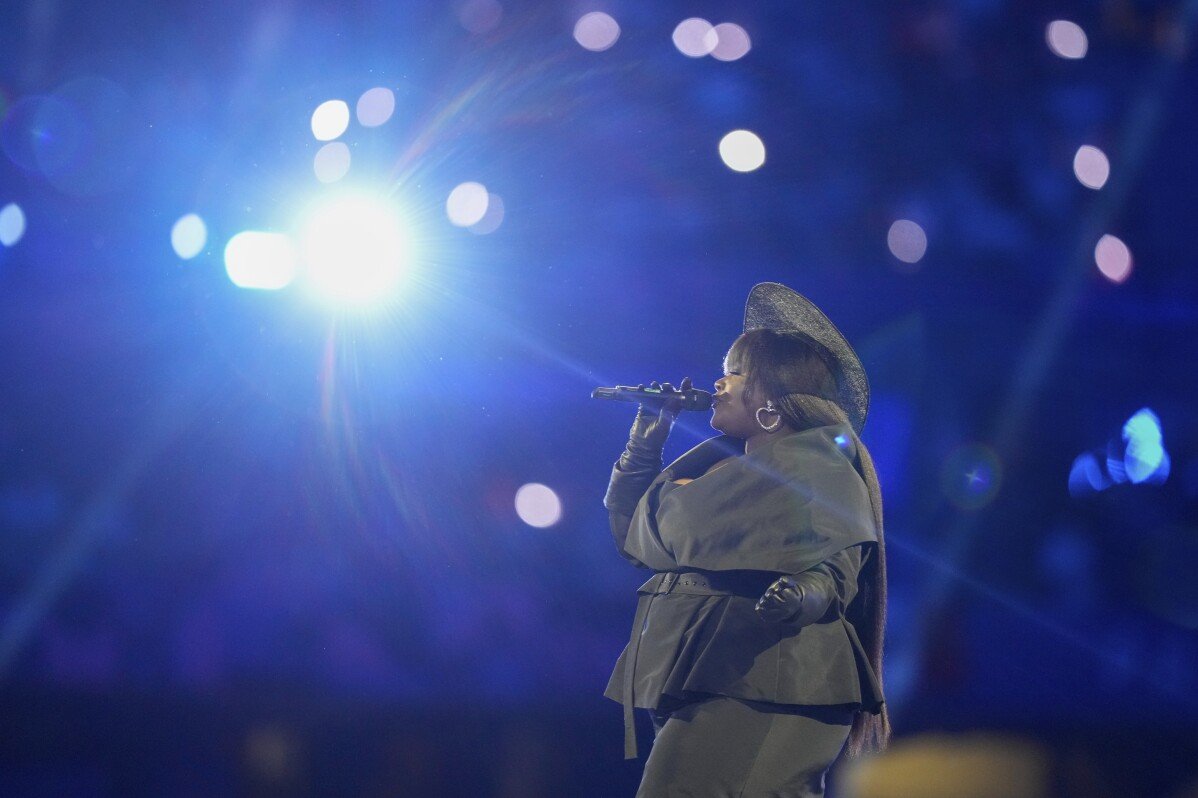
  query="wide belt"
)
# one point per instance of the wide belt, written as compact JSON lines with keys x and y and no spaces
{"x":750,"y":584}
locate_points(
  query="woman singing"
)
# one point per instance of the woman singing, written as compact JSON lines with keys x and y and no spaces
{"x":757,"y":645}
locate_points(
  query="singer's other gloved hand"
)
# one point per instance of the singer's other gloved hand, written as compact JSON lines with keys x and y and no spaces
{"x":794,"y":601}
{"x":650,"y":429}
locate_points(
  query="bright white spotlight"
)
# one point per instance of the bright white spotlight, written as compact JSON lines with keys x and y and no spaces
{"x":355,"y":249}
{"x":254,"y":259}
{"x":188,"y":236}
{"x":538,"y":506}
{"x":12,"y":224}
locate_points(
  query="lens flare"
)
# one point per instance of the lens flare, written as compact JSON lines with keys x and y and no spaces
{"x":971,"y":476}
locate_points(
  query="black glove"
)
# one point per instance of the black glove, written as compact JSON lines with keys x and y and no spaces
{"x":650,"y":429}
{"x":793,"y":601}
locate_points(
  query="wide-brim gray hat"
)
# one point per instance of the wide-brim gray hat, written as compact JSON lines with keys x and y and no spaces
{"x":773,"y":306}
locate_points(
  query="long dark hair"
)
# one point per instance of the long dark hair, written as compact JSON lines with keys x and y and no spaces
{"x":796,"y":373}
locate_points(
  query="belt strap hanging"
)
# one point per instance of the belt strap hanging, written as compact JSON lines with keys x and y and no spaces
{"x":660,"y":583}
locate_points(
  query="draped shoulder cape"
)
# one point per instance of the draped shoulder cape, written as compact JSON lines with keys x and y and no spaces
{"x":784,"y":507}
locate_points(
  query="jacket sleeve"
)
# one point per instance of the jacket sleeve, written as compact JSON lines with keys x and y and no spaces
{"x":830,"y":585}
{"x":624,"y":492}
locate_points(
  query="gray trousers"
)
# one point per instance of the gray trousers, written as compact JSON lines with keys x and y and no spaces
{"x":723,"y":747}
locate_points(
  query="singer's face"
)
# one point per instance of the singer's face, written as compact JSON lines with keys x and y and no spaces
{"x":730,"y":412}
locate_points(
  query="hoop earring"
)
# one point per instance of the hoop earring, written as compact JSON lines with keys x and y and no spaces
{"x":769,"y":408}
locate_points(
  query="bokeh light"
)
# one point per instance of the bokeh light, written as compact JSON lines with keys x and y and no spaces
{"x":12,"y":224}
{"x":1091,"y":167}
{"x":331,"y":162}
{"x":189,"y":235}
{"x":742,"y":151}
{"x":538,"y":506}
{"x":1087,"y":476}
{"x":1138,"y":456}
{"x":694,"y":37}
{"x":731,"y":42}
{"x":355,"y":249}
{"x":971,"y":476}
{"x":1145,"y":458}
{"x":1113,"y":259}
{"x":596,"y":31}
{"x":480,"y":16}
{"x":330,"y":120}
{"x":907,"y":241}
{"x":467,"y":204}
{"x":1066,"y":39}
{"x":375,"y":106}
{"x":492,"y":218}
{"x":260,"y":260}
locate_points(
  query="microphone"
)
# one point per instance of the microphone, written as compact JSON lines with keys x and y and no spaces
{"x":692,"y":398}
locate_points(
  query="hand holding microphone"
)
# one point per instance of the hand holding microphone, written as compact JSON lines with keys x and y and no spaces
{"x":688,"y":398}
{"x":652,"y":425}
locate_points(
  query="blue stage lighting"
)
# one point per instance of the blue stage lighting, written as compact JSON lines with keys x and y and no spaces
{"x":355,"y":249}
